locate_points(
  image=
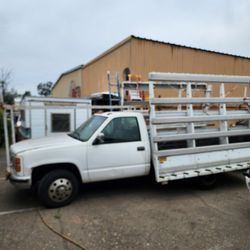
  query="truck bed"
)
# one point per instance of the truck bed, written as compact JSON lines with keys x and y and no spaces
{"x":196,"y":136}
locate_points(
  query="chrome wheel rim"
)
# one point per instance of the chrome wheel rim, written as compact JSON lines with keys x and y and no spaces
{"x":60,"y":190}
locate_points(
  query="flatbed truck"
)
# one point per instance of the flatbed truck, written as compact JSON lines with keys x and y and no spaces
{"x":184,"y":137}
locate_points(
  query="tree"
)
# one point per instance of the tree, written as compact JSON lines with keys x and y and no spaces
{"x":4,"y":81}
{"x":5,"y":77}
{"x":44,"y":88}
{"x":26,"y":93}
{"x":8,"y":95}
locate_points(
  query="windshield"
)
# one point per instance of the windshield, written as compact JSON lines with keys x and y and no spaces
{"x":88,"y":128}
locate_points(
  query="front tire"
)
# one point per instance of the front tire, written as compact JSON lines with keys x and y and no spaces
{"x":58,"y":188}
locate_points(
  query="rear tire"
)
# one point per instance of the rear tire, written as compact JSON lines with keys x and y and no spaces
{"x":58,"y":188}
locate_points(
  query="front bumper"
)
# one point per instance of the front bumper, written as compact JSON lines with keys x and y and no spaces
{"x":21,"y":182}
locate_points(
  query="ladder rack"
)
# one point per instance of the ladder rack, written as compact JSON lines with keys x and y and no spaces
{"x":198,"y":138}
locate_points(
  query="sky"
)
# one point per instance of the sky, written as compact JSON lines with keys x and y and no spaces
{"x":40,"y":39}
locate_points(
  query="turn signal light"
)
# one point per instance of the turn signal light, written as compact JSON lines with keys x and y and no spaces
{"x":18,"y":164}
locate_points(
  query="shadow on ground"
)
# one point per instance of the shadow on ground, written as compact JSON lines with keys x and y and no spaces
{"x":12,"y":198}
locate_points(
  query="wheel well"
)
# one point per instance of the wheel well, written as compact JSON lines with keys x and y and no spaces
{"x":39,"y":172}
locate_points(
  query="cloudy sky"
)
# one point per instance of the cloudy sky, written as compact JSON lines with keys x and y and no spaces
{"x":40,"y":39}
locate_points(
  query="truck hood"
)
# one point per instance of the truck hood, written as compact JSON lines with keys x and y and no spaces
{"x":45,"y":142}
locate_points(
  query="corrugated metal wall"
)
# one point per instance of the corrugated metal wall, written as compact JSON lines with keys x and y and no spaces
{"x":151,"y":56}
{"x":63,"y":87}
{"x":142,"y":56}
{"x":95,"y":74}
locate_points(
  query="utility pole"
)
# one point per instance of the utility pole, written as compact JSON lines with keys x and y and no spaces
{"x":118,"y":87}
{"x":109,"y":86}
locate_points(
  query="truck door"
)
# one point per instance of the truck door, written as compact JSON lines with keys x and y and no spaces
{"x":121,"y":154}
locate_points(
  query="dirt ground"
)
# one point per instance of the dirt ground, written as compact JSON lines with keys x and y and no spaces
{"x":130,"y":214}
{"x":2,"y":162}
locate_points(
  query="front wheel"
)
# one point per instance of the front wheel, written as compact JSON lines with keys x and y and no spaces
{"x":58,"y":188}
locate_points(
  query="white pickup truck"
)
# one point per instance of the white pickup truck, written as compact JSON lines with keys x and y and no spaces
{"x":189,"y":137}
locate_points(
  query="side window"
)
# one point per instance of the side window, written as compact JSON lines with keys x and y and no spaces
{"x":60,"y":122}
{"x":124,"y":129}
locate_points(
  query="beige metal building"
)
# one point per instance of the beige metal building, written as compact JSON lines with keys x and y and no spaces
{"x":136,"y":55}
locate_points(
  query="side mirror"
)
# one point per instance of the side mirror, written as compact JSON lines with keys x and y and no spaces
{"x":18,"y":124}
{"x":99,"y":139}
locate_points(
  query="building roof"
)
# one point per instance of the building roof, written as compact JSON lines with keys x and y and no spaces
{"x":143,"y":39}
{"x":155,"y":41}
{"x":188,"y":47}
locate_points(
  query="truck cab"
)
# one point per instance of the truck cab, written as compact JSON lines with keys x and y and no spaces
{"x":108,"y":146}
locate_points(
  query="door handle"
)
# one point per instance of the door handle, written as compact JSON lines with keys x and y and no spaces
{"x":140,"y":148}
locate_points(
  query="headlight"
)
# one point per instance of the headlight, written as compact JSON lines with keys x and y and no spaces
{"x":17,"y":164}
